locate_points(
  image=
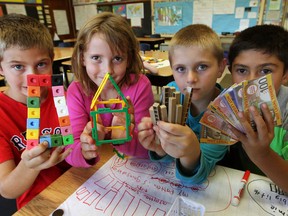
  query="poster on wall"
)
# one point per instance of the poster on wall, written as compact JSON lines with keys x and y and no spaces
{"x":135,"y":10}
{"x":169,"y":15}
{"x":119,"y":9}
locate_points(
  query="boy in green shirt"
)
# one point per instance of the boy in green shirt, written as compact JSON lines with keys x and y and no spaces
{"x":255,"y":52}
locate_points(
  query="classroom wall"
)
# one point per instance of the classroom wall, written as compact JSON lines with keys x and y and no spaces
{"x":170,"y":16}
{"x":223,"y":16}
{"x":58,"y":16}
{"x":164,"y":17}
{"x":137,"y":12}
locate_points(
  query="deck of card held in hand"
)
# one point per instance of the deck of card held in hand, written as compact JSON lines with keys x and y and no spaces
{"x":239,"y":97}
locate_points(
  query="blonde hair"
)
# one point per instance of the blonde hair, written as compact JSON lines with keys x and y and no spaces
{"x":120,"y":37}
{"x":25,"y":32}
{"x":197,"y":35}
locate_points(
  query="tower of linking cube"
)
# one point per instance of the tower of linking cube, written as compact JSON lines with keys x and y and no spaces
{"x":34,"y":83}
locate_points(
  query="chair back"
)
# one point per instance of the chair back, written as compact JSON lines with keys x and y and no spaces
{"x":155,"y":36}
{"x":145,"y":47}
{"x":138,"y":32}
{"x":65,"y":44}
{"x":164,"y":47}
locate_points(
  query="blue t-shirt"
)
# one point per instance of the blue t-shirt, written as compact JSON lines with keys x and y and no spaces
{"x":210,"y":153}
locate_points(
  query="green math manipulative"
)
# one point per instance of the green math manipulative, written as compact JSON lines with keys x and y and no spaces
{"x":124,"y":108}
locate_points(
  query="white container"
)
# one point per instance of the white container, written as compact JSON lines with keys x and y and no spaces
{"x":183,"y":206}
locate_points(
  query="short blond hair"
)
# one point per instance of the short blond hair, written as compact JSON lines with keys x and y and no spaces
{"x":120,"y":37}
{"x":197,"y":35}
{"x":25,"y":32}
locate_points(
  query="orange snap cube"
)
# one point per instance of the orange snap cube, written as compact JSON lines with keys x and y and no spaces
{"x":33,"y":91}
{"x":64,"y":121}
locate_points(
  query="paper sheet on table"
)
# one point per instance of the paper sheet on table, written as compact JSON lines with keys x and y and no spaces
{"x":142,"y":187}
{"x":161,"y":64}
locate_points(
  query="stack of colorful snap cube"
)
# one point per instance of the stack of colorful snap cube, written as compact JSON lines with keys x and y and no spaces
{"x":34,"y":83}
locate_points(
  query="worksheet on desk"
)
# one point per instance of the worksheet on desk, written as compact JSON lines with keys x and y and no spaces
{"x":142,"y":187}
{"x":161,"y":64}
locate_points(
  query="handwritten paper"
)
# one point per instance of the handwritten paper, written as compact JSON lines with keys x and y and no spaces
{"x":228,"y":9}
{"x":16,"y":8}
{"x":83,"y":13}
{"x":61,"y":22}
{"x":142,"y":187}
{"x":203,"y":12}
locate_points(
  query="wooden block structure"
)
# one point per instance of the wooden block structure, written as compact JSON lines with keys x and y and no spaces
{"x":34,"y":83}
{"x":170,"y":109}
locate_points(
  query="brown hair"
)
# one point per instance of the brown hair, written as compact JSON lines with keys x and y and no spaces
{"x":120,"y":37}
{"x":197,"y":35}
{"x":24,"y":32}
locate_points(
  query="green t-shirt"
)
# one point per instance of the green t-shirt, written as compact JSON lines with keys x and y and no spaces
{"x":237,"y":157}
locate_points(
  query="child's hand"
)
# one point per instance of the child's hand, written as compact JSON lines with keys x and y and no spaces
{"x":146,"y":136}
{"x":88,"y":146}
{"x":256,"y":143}
{"x":179,"y":142}
{"x":119,"y":119}
{"x":40,"y":157}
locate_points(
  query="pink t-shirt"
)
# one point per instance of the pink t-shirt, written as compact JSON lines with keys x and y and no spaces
{"x":79,"y":110}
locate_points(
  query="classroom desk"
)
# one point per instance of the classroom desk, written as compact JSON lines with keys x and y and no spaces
{"x":61,"y":54}
{"x":151,"y":41}
{"x":162,"y":71}
{"x":49,"y":199}
{"x":3,"y":88}
{"x":70,"y":40}
{"x":145,"y":185}
{"x":163,"y":76}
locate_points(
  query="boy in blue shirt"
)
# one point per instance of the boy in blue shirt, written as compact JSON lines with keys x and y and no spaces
{"x":197,"y":60}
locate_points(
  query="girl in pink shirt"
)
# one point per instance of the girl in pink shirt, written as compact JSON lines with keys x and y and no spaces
{"x":106,"y":43}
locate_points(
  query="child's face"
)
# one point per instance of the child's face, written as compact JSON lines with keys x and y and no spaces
{"x":196,"y":68}
{"x":18,"y":63}
{"x":251,"y":64}
{"x":100,"y":59}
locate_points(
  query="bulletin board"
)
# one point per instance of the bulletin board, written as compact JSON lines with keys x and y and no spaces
{"x":32,"y":10}
{"x":142,"y":26}
{"x":44,"y":11}
{"x":171,"y":16}
{"x":274,"y":12}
